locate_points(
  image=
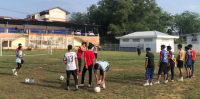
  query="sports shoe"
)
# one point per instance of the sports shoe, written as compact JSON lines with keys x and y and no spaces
{"x":13,"y":70}
{"x":187,"y":77}
{"x":150,"y":84}
{"x":146,"y":84}
{"x":193,"y":76}
{"x":166,"y":81}
{"x":15,"y":74}
{"x":104,"y":86}
{"x":180,"y":80}
{"x":157,"y":82}
{"x":76,"y":87}
{"x":88,"y":85}
{"x":80,"y":85}
{"x":67,"y":88}
{"x":171,"y":80}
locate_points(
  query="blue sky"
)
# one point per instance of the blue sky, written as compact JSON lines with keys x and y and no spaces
{"x":34,"y":6}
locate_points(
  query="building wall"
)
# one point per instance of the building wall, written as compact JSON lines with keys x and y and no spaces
{"x":93,"y":39}
{"x":132,"y":44}
{"x":77,"y":42}
{"x":154,"y":44}
{"x":59,"y":41}
{"x":23,"y":40}
{"x":166,"y":42}
{"x":189,"y":39}
{"x":57,"y":15}
{"x":37,"y":16}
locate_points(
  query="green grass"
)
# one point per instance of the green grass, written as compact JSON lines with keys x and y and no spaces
{"x":124,"y":79}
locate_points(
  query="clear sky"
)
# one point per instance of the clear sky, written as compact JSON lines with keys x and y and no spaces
{"x":34,"y":6}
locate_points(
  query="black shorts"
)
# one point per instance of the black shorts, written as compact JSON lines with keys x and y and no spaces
{"x":139,"y":53}
{"x":188,"y":66}
{"x":95,"y":54}
{"x":163,"y":68}
{"x":180,"y":64}
{"x":73,"y":72}
{"x":19,"y":65}
{"x":107,"y":68}
{"x":22,"y":61}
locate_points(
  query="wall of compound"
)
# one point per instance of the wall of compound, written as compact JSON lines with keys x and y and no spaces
{"x":59,"y":41}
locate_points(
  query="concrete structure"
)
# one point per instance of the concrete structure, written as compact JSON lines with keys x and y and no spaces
{"x":152,"y":39}
{"x":53,"y":14}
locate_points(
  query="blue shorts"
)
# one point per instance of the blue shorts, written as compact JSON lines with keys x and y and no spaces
{"x":150,"y":73}
{"x":192,"y":66}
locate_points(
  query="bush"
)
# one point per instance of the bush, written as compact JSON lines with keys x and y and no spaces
{"x":179,"y":41}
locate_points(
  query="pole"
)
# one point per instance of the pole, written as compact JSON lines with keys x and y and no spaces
{"x":51,"y":46}
{"x":1,"y":46}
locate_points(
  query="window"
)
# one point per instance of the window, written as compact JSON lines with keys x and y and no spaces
{"x":136,"y":40}
{"x":148,"y":40}
{"x":165,"y":40}
{"x":125,"y":40}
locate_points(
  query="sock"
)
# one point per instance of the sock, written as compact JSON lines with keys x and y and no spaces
{"x":147,"y":81}
{"x":14,"y":69}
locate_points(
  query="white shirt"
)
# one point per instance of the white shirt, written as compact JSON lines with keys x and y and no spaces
{"x":71,"y":62}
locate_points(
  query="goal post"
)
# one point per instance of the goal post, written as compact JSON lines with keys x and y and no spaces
{"x":30,"y":46}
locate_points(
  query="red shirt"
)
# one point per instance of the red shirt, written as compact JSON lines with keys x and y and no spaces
{"x":89,"y":55}
{"x":80,"y":51}
{"x":193,"y":53}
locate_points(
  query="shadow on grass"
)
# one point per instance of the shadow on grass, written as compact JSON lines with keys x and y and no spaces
{"x":6,"y":74}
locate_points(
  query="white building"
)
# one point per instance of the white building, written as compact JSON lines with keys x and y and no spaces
{"x":144,"y":39}
{"x":53,"y":14}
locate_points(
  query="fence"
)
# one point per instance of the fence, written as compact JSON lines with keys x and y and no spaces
{"x":133,"y":48}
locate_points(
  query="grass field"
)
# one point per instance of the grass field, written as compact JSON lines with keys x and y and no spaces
{"x":124,"y":79}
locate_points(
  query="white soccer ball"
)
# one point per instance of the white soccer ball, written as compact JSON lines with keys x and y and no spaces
{"x":27,"y":80}
{"x":24,"y":54}
{"x":62,"y":77}
{"x":97,"y":89}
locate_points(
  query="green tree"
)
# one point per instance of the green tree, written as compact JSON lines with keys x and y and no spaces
{"x":187,"y":22}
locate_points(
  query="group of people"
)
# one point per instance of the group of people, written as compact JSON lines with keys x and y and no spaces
{"x":73,"y":62}
{"x":167,"y":63}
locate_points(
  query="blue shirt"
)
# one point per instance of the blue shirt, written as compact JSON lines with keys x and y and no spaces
{"x":189,"y":60}
{"x":18,"y":60}
{"x":103,"y":65}
{"x":164,"y":54}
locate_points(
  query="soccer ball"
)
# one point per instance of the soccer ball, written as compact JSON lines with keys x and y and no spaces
{"x":62,"y":77}
{"x":27,"y":80}
{"x":97,"y":89}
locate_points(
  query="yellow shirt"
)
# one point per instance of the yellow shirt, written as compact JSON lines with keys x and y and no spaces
{"x":181,"y":54}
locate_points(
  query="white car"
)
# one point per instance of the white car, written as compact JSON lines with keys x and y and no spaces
{"x":90,"y":33}
{"x":77,"y":33}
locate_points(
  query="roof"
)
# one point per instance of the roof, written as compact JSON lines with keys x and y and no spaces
{"x":54,"y":8}
{"x":147,"y":34}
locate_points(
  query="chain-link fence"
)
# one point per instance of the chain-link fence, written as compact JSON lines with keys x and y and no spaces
{"x":133,"y":48}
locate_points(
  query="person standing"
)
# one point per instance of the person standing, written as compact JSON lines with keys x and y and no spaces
{"x":193,"y":53}
{"x":188,"y":62}
{"x":17,"y":50}
{"x":103,"y":66}
{"x":95,"y":52}
{"x":88,"y":65}
{"x":70,"y":59}
{"x":171,"y":64}
{"x":163,"y":64}
{"x":149,"y":67}
{"x":180,"y":61}
{"x":139,"y":51}
{"x":18,"y":61}
{"x":81,"y":49}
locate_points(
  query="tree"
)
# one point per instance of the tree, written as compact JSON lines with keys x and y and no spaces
{"x":187,"y":22}
{"x":125,"y":16}
{"x":78,"y":17}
